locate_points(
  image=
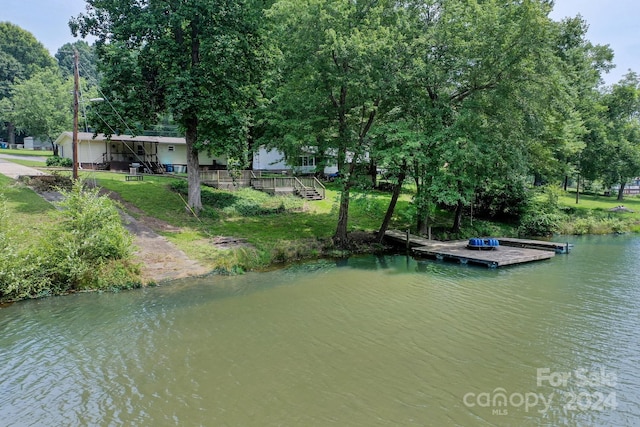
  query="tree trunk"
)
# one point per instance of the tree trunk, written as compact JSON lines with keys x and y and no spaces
{"x":373,"y":171}
{"x":457,"y":221}
{"x":578,"y":189}
{"x":621,"y":191}
{"x":537,"y":180}
{"x":340,"y":237}
{"x":566,"y":182}
{"x":422,"y":214}
{"x":193,"y":165}
{"x":391,"y":208}
{"x":11,"y":133}
{"x":54,"y":147}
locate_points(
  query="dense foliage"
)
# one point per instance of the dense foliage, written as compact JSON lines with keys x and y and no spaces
{"x":87,"y":248}
{"x":21,"y":56}
{"x":245,"y":202}
{"x":196,"y":60}
{"x":472,"y":102}
{"x":87,"y":60}
{"x":59,"y":161}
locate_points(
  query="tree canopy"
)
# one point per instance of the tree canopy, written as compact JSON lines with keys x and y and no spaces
{"x":459,"y":96}
{"x":43,"y":105}
{"x":21,"y":55}
{"x":86,"y":58}
{"x":196,"y":60}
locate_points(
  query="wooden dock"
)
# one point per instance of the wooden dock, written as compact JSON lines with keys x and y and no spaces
{"x":513,"y":251}
{"x":559,"y":248}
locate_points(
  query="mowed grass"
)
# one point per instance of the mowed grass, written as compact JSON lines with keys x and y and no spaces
{"x":42,"y":153}
{"x":315,"y":219}
{"x":30,"y":163}
{"x":26,"y":208}
{"x":590,"y":202}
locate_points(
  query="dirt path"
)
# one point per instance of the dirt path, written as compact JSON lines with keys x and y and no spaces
{"x":160,"y":259}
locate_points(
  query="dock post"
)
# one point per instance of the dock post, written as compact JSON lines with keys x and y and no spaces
{"x":407,"y":239}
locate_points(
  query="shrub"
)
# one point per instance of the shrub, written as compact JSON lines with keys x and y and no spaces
{"x":539,"y":223}
{"x":594,"y":224}
{"x":505,"y":201}
{"x":92,"y":223}
{"x":542,"y":217}
{"x":59,"y":161}
{"x":88,"y":248}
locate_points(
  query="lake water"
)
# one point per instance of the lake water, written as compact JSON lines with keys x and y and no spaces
{"x":371,"y":341}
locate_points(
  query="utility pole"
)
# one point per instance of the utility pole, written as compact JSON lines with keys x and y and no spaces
{"x":74,"y":143}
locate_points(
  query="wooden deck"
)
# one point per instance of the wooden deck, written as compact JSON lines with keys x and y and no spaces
{"x":514,"y":251}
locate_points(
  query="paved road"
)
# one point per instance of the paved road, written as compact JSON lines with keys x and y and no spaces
{"x":14,"y":170}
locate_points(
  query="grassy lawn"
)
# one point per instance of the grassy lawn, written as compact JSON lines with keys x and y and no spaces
{"x":598,"y":202}
{"x":239,"y":214}
{"x":25,"y":207}
{"x":30,"y":163}
{"x":593,"y":215}
{"x":283,"y":228}
{"x":44,"y":153}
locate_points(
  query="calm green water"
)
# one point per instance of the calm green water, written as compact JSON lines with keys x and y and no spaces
{"x":368,"y":342}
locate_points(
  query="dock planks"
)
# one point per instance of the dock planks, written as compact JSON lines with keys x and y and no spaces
{"x":560,"y":248}
{"x":514,"y":251}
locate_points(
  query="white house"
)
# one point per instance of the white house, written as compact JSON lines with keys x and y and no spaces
{"x":272,"y":160}
{"x":119,"y":152}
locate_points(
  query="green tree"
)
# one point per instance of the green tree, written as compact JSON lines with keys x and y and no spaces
{"x":335,"y":79}
{"x":196,"y":60}
{"x":21,"y":55}
{"x":43,"y":105}
{"x":579,"y":68}
{"x":618,"y":147}
{"x":479,"y":75}
{"x":87,"y":60}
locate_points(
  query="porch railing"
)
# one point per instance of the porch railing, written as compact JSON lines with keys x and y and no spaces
{"x":248,"y":178}
{"x":300,"y":185}
{"x":238,"y":178}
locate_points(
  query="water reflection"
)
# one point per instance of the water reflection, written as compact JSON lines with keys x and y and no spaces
{"x":380,"y":340}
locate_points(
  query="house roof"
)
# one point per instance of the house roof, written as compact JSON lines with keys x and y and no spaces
{"x":89,"y":136}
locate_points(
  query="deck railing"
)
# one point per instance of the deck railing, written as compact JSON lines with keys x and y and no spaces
{"x":273,"y":182}
{"x":239,"y":178}
{"x":255,"y":179}
{"x":298,"y":184}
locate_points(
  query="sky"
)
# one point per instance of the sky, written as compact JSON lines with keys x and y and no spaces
{"x":611,"y":22}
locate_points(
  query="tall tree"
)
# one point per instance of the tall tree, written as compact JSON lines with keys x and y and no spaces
{"x":479,"y":71}
{"x":579,"y":67}
{"x":335,"y":78}
{"x":87,"y":60}
{"x":21,"y":55}
{"x":43,"y":105}
{"x":195,"y":60}
{"x":621,"y":151}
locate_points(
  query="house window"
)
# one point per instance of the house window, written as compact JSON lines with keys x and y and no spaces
{"x":171,"y":148}
{"x":140,"y":150}
{"x":307,"y":161}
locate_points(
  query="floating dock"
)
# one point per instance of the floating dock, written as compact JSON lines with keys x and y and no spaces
{"x":511,"y":251}
{"x":559,"y":248}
